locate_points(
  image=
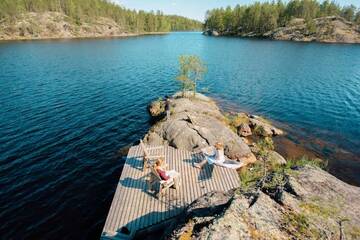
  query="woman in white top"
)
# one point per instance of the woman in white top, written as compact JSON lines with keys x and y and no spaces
{"x":217,"y":157}
{"x":212,"y":156}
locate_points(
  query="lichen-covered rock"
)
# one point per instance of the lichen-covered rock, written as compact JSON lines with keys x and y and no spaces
{"x":263,"y":128}
{"x":244,"y":130}
{"x":276,"y":158}
{"x":313,"y":205}
{"x":157,"y":108}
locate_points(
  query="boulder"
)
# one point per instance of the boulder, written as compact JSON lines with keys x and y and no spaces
{"x":262,"y":128}
{"x":156,"y":108}
{"x":153,"y":139}
{"x":214,"y":33}
{"x":209,"y":204}
{"x":277,"y":158}
{"x":244,"y":130}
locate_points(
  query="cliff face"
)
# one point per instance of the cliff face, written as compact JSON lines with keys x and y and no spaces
{"x":314,"y":205}
{"x":326,"y":29}
{"x":57,"y":25}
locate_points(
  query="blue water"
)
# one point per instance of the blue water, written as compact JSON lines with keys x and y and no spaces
{"x":67,"y":107}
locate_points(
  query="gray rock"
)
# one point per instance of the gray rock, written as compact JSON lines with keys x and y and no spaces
{"x":263,"y":128}
{"x":209,"y":204}
{"x":156,"y":108}
{"x":244,"y":130}
{"x":277,"y":158}
{"x":311,"y":210}
{"x":153,"y":138}
{"x":214,"y":33}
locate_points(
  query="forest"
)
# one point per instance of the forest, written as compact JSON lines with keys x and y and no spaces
{"x":83,"y":10}
{"x":263,"y":17}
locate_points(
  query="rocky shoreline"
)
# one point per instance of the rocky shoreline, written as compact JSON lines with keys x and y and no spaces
{"x":332,"y":29}
{"x":291,"y":201}
{"x":56,"y":25}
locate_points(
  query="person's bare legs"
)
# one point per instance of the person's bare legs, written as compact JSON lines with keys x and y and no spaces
{"x":200,"y":164}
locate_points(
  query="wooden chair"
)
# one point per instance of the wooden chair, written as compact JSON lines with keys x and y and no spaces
{"x":164,"y":185}
{"x":151,"y":153}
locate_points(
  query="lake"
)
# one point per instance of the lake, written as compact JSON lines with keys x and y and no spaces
{"x":68,"y":106}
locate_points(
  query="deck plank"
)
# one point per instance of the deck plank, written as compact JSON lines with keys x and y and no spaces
{"x":135,"y":207}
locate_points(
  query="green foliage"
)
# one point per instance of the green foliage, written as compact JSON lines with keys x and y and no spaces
{"x":305,"y":161}
{"x":297,"y":224}
{"x":357,"y":18}
{"x":80,"y":10}
{"x":349,"y":13}
{"x":311,"y":26}
{"x":265,"y":145}
{"x":235,"y":120}
{"x":262,"y":17}
{"x":191,"y":70}
{"x":250,"y":177}
{"x":320,"y":209}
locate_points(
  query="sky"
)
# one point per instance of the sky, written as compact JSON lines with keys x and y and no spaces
{"x":194,"y":9}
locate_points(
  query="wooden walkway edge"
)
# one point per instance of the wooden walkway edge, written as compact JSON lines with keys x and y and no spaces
{"x":135,"y":208}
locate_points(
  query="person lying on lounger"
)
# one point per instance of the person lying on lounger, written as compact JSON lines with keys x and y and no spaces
{"x":164,"y":174}
{"x":215,"y":155}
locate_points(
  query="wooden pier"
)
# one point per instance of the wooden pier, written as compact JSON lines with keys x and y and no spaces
{"x":135,"y":208}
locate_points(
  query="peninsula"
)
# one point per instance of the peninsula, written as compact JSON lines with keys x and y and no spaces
{"x":304,"y":21}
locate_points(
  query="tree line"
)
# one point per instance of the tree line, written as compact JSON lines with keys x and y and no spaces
{"x":82,"y":10}
{"x":262,"y":17}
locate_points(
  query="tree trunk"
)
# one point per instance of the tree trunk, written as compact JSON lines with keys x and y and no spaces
{"x":194,"y":88}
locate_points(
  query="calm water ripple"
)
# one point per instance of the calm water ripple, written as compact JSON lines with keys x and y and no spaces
{"x":67,"y":107}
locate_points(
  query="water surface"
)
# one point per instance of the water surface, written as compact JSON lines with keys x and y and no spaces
{"x":67,"y":107}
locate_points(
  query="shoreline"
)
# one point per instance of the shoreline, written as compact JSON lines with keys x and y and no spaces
{"x":126,"y":35}
{"x":296,"y":143}
{"x":284,"y":40}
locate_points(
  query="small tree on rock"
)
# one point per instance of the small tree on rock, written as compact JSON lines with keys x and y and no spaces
{"x":191,"y":70}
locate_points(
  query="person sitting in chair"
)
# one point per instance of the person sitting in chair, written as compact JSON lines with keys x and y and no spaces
{"x":164,"y":174}
{"x":215,"y":155}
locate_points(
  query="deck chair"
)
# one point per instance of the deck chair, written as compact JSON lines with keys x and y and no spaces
{"x":151,"y":153}
{"x":164,"y":185}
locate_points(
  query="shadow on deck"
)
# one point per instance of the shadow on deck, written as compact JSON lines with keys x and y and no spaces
{"x":135,"y":208}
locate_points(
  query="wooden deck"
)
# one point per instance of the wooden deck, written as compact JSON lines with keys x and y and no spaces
{"x":134,"y":208}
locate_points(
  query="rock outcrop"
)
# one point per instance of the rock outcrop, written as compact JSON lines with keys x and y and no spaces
{"x":244,"y":130}
{"x":331,"y":29}
{"x":211,"y":33}
{"x":314,"y":205}
{"x":49,"y":25}
{"x":196,"y":123}
{"x":327,"y":29}
{"x":263,"y":128}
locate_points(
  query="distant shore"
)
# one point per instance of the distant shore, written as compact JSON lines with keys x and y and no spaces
{"x":57,"y":25}
{"x":331,"y":29}
{"x":125,"y":35}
